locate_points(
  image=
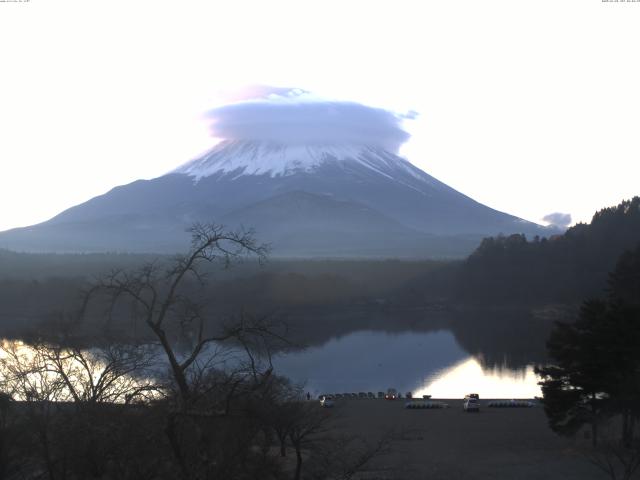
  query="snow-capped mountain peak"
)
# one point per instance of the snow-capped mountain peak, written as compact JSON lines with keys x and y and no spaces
{"x":314,"y":199}
{"x":240,"y":158}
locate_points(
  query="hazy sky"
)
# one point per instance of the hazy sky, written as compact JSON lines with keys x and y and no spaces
{"x":531,"y":107}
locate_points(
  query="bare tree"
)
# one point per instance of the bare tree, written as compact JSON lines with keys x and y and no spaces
{"x":308,"y":426}
{"x":12,"y":462}
{"x":218,"y":369}
{"x":115,"y":373}
{"x":159,"y":300}
{"x":44,"y":376}
{"x":26,"y":378}
{"x":343,"y":457}
{"x":619,"y":459}
{"x":278,"y":410}
{"x":44,"y":371}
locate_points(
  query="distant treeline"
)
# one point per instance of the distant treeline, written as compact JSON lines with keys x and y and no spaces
{"x":42,"y":266}
{"x":565,"y":268}
{"x":510,"y":270}
{"x":34,"y":287}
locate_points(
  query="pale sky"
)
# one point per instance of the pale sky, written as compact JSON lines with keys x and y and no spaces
{"x":528,"y":106}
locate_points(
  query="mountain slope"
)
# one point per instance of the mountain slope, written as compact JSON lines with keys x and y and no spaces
{"x":368,"y":175}
{"x":304,"y":223}
{"x":328,"y":200}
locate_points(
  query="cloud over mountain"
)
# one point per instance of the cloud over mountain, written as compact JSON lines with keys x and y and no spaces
{"x":293,"y":116}
{"x":562,"y":220}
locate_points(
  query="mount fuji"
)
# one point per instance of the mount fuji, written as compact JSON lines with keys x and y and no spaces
{"x":327,"y":200}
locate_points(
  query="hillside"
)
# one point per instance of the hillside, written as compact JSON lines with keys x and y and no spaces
{"x":317,"y":200}
{"x":563,"y":268}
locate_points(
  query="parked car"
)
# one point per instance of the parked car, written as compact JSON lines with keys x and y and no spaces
{"x":391,"y":394}
{"x":471,"y":403}
{"x":326,"y":402}
{"x":380,"y":394}
{"x":362,"y":395}
{"x":370,"y":395}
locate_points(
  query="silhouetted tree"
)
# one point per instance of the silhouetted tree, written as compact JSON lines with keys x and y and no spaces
{"x":157,"y":298}
{"x":564,"y":268}
{"x":596,"y":370}
{"x":218,"y":414}
{"x":308,"y":425}
{"x":575,"y":386}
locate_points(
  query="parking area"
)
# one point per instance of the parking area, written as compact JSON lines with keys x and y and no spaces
{"x":449,"y":443}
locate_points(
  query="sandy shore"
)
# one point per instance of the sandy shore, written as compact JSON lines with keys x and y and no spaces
{"x":496,"y":443}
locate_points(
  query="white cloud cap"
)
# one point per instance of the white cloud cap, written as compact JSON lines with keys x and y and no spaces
{"x":295,"y":117}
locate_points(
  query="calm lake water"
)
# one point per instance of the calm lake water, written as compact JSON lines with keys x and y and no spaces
{"x":430,"y":363}
{"x":491,"y":353}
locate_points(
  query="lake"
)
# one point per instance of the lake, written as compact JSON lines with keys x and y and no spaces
{"x":432,"y":363}
{"x":443,"y":354}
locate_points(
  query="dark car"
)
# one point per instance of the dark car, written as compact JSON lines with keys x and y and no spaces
{"x":471,"y":402}
{"x":391,"y":394}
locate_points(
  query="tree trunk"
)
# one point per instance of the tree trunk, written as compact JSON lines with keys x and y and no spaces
{"x":46,"y":452}
{"x":282,"y":438}
{"x":283,"y":449}
{"x":267,"y":442}
{"x":229,"y":398}
{"x":298,"y":463}
{"x":594,"y":421}
{"x":178,"y":373}
{"x":626,"y":428}
{"x":174,"y":442}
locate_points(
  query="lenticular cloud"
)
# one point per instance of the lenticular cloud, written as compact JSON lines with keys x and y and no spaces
{"x":296,"y":118}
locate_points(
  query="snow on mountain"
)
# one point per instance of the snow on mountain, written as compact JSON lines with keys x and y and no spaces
{"x":239,"y":158}
{"x":313,"y":177}
{"x":315,"y":199}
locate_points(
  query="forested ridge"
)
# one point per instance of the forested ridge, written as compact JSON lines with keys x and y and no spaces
{"x":504,"y":270}
{"x":563,"y":268}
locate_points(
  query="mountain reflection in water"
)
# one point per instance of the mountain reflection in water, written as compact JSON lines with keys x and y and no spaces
{"x":445,"y":354}
{"x":468,"y":376}
{"x":421,"y":362}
